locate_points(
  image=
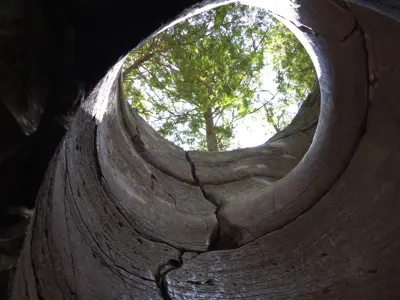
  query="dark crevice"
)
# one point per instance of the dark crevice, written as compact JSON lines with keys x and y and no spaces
{"x":215,"y":238}
{"x":370,"y":81}
{"x":216,"y":234}
{"x":197,"y":181}
{"x":96,"y":156}
{"x":193,"y":168}
{"x":352,"y":31}
{"x":219,"y":240}
{"x":138,"y":142}
{"x":162,"y":272}
{"x":372,"y":77}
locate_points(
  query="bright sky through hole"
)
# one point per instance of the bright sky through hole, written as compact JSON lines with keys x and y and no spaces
{"x":254,"y":130}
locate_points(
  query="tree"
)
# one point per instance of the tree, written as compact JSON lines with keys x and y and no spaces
{"x":194,"y":79}
{"x":295,"y":74}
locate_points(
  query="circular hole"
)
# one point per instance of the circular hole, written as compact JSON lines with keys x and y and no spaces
{"x":227,"y":78}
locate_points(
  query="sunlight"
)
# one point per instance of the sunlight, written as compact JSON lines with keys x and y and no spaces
{"x":98,"y":101}
{"x":285,"y":8}
{"x":224,"y":79}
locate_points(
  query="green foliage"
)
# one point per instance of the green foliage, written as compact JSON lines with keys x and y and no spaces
{"x":295,"y":71}
{"x":295,"y":77}
{"x":213,"y":61}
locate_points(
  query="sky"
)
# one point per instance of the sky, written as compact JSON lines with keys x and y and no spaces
{"x":253,"y":130}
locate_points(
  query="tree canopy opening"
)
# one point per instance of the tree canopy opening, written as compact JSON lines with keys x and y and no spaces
{"x":199,"y":82}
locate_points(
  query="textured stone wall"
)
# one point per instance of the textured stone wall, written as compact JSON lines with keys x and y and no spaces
{"x":124,"y":214}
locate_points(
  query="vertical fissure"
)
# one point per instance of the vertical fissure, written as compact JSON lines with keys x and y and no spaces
{"x":163,"y":271}
{"x":372,"y":77}
{"x":216,"y":235}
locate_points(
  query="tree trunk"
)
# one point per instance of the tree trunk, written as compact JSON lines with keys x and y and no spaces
{"x":124,"y":214}
{"x":212,"y":144}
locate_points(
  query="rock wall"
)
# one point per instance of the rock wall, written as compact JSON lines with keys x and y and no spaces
{"x":124,"y":214}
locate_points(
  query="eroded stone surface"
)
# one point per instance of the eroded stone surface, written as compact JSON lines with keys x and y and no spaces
{"x":225,"y":184}
{"x":339,"y":129}
{"x":274,"y":159}
{"x":343,"y":247}
{"x":154,"y":148}
{"x":149,"y":198}
{"x":124,"y":215}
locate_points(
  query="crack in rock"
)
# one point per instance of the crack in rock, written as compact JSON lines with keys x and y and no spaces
{"x":352,"y":31}
{"x":217,"y":240}
{"x":162,"y":272}
{"x":372,"y":77}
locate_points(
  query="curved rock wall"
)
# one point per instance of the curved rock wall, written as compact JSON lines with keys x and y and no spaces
{"x":124,"y":214}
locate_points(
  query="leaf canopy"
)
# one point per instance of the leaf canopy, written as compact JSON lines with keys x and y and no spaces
{"x":213,"y":62}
